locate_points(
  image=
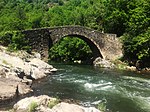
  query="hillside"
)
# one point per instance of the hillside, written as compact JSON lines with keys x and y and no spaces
{"x":129,"y":19}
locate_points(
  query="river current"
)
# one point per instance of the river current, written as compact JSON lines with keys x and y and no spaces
{"x":120,"y":91}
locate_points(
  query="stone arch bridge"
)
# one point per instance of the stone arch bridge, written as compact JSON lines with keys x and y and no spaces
{"x":102,"y":45}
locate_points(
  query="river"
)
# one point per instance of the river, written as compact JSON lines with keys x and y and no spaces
{"x":119,"y":91}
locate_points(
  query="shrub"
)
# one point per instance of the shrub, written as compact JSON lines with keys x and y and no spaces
{"x":14,"y":41}
{"x":137,"y":48}
{"x":101,"y":107}
{"x":5,"y":38}
{"x":18,"y":42}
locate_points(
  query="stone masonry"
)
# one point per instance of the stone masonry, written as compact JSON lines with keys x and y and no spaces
{"x":102,"y":45}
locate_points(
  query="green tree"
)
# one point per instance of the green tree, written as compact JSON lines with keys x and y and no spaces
{"x":130,"y":18}
{"x":70,"y":49}
{"x":116,"y":16}
{"x":18,"y":42}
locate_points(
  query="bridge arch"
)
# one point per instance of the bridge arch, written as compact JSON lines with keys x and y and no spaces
{"x":96,"y":52}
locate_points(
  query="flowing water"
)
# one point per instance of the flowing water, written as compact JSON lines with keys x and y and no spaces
{"x":120,"y":91}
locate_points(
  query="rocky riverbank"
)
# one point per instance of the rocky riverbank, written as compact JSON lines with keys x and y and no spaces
{"x":45,"y":103}
{"x":17,"y":72}
{"x":117,"y":64}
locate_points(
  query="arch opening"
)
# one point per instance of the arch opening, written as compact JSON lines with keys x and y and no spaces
{"x":74,"y":48}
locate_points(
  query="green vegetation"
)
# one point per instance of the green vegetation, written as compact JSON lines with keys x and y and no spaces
{"x":32,"y":107}
{"x":52,"y":103}
{"x":14,"y":41}
{"x":129,"y":19}
{"x":120,"y":65}
{"x":102,"y":106}
{"x":70,"y":49}
{"x":5,"y":62}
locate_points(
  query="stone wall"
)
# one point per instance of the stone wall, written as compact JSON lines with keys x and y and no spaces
{"x":39,"y":40}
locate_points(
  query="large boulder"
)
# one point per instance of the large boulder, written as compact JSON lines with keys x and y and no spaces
{"x":39,"y":68}
{"x":17,"y":71}
{"x":41,"y":105}
{"x":66,"y":107}
{"x":11,"y":89}
{"x":25,"y":104}
{"x":100,"y":62}
{"x":20,"y":69}
{"x":8,"y":89}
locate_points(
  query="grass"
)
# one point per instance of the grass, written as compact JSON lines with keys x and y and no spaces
{"x":5,"y":62}
{"x":33,"y":106}
{"x":52,"y":103}
{"x":101,"y":107}
{"x":120,"y":65}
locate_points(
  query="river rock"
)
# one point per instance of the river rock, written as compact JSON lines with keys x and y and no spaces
{"x":42,"y":105}
{"x":39,"y":68}
{"x":17,"y":68}
{"x":17,"y":71}
{"x":36,"y":55}
{"x":42,"y":108}
{"x":66,"y":107}
{"x":10,"y":89}
{"x":131,"y":68}
{"x":24,"y":104}
{"x":99,"y":62}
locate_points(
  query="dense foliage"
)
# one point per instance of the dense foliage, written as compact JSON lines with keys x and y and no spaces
{"x":71,"y":50}
{"x":129,"y":19}
{"x":14,"y":40}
